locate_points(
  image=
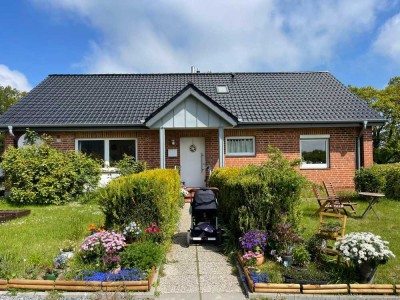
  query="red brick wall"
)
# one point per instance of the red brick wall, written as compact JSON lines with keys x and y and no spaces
{"x":342,"y":145}
{"x":368,"y":148}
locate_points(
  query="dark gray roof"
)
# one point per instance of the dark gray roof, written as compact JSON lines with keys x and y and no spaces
{"x":128,"y":99}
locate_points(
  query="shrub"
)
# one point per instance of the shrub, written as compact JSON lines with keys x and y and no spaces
{"x":256,"y":197}
{"x":371,"y":179}
{"x":392,"y":190}
{"x":128,"y":165}
{"x":146,"y":198}
{"x":40,"y":174}
{"x":380,"y":178}
{"x":142,"y":255}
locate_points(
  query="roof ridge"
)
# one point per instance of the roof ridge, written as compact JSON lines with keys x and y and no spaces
{"x":202,"y":73}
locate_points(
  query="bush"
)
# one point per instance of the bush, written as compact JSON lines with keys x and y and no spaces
{"x":371,"y":179}
{"x":128,"y":165}
{"x":301,"y":256}
{"x":256,"y":197}
{"x":40,"y":174}
{"x":380,"y":178}
{"x":142,"y":255}
{"x":392,"y":189}
{"x":146,"y":198}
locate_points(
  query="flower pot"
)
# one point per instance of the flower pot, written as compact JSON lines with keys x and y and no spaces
{"x":260,"y":259}
{"x":50,"y":276}
{"x":366,"y":272}
{"x":333,"y":235}
{"x":287,"y":260}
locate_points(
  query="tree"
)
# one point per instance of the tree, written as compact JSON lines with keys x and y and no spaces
{"x":8,"y":97}
{"x":386,"y":139}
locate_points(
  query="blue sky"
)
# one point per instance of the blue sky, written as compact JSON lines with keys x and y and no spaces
{"x":358,"y":40}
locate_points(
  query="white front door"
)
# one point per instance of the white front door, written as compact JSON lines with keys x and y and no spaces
{"x":192,"y":152}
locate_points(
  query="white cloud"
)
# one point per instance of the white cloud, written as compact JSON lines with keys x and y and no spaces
{"x":225,"y":35}
{"x":388,"y":42}
{"x":13,"y":78}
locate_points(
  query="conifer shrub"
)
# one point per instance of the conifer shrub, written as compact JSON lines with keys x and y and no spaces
{"x":257,"y":197}
{"x":148,"y":197}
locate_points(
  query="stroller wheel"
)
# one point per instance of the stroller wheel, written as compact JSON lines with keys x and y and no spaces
{"x":188,"y":239}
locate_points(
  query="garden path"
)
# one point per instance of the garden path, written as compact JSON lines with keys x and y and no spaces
{"x":198,"y":272}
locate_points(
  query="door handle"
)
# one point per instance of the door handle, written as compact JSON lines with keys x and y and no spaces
{"x":201,"y":162}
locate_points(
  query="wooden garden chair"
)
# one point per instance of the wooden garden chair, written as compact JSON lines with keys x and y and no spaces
{"x":330,"y":191}
{"x":324,"y":220}
{"x":327,"y":203}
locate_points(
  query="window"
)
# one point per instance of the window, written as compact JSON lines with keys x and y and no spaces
{"x":314,"y":151}
{"x":240,"y":146}
{"x":222,"y":89}
{"x":109,"y":150}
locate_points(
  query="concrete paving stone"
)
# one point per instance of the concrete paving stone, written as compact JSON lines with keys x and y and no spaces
{"x":209,"y":256}
{"x":222,"y":296}
{"x":186,"y":268}
{"x":219,"y":283}
{"x":182,"y":296}
{"x":179,"y":248}
{"x":208,"y":247}
{"x":222,"y":267}
{"x":179,"y":284}
{"x":181,"y":256}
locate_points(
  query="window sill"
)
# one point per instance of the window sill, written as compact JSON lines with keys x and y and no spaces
{"x":314,"y":168}
{"x":241,"y":155}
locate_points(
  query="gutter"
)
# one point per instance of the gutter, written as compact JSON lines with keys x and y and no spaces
{"x":364,"y":127}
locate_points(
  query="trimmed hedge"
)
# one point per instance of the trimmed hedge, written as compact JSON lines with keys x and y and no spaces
{"x":147,"y":197}
{"x":257,"y":197}
{"x":380,"y":178}
{"x":40,"y":174}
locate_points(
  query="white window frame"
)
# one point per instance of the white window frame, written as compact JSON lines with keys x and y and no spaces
{"x":323,"y":137}
{"x":240,"y":153}
{"x":107,"y":146}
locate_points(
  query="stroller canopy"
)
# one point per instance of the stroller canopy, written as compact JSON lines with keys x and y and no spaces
{"x":204,"y":199}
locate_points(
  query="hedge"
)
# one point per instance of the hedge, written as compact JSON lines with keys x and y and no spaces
{"x":380,"y":178}
{"x":257,"y":197}
{"x":147,"y":197}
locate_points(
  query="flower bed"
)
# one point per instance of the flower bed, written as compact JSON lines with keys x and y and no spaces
{"x":255,"y":286}
{"x":78,"y":286}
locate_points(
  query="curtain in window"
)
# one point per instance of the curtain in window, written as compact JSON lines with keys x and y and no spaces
{"x":240,"y":146}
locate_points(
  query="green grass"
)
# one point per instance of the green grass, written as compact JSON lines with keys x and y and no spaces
{"x":388,"y":228}
{"x":28,"y":245}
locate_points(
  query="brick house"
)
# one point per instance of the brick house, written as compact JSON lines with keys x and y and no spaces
{"x":202,"y":121}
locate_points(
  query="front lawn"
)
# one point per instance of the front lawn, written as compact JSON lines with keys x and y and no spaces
{"x":28,"y":245}
{"x":388,"y":227}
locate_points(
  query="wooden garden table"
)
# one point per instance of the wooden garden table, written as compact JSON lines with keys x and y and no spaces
{"x":372,"y":199}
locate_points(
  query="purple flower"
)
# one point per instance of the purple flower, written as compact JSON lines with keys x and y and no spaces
{"x":254,"y":240}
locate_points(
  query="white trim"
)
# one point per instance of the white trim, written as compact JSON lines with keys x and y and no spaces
{"x":325,"y":138}
{"x":241,"y":138}
{"x":315,"y":136}
{"x":107,"y":146}
{"x":221,"y":147}
{"x":190,"y":92}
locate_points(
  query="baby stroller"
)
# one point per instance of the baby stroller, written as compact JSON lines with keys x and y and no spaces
{"x":204,"y":221}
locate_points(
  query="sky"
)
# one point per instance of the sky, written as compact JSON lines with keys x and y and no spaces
{"x":358,"y":41}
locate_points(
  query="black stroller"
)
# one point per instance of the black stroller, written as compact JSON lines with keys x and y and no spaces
{"x":204,"y":220}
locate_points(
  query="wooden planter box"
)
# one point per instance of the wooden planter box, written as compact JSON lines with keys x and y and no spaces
{"x":267,"y":287}
{"x":6,"y":215}
{"x":78,"y":286}
{"x":397,"y":288}
{"x":386,"y":289}
{"x":325,"y":289}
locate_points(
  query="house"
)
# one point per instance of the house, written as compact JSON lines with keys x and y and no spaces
{"x":202,"y":121}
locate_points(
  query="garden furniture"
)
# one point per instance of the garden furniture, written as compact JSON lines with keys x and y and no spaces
{"x":327,"y":203}
{"x":372,"y":199}
{"x":326,"y":232}
{"x":330,"y":191}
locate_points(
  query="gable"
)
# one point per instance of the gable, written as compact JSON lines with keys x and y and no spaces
{"x":190,"y":110}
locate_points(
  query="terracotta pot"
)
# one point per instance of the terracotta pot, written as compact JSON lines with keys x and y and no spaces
{"x":260,"y":259}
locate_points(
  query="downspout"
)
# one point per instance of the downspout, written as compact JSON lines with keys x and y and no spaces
{"x":359,"y":144}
